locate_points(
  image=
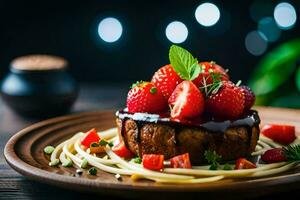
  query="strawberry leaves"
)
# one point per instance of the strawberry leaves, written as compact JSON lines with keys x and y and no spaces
{"x":183,"y":63}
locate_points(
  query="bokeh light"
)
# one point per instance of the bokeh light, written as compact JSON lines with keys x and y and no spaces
{"x":207,"y":14}
{"x":269,"y":28}
{"x":177,"y":32}
{"x":256,"y":43}
{"x":110,"y":29}
{"x":285,"y":15}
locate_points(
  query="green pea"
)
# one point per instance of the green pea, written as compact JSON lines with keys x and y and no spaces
{"x":68,"y":164}
{"x":48,"y":149}
{"x":54,"y":163}
{"x":93,"y":171}
{"x":84,"y":164}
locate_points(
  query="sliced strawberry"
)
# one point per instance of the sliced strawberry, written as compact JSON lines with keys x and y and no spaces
{"x":206,"y":78}
{"x":146,"y":97}
{"x":273,"y":156}
{"x":181,"y":161}
{"x":243,"y":163}
{"x":166,"y":80}
{"x":186,"y":101}
{"x":227,"y":103}
{"x":283,"y":134}
{"x":249,"y":97}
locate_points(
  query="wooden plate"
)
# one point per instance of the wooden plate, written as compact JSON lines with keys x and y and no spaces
{"x":24,"y":153}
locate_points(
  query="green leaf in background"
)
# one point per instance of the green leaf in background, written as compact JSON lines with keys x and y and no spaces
{"x":183,"y":62}
{"x":275,"y":68}
{"x":298,"y":79}
{"x":288,"y":101}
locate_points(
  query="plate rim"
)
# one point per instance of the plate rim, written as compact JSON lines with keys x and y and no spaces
{"x":47,"y":177}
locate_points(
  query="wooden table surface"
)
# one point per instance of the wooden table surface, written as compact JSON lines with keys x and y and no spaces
{"x":92,"y":97}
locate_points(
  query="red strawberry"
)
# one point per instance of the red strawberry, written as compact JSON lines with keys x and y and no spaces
{"x":208,"y":68}
{"x":186,"y":101}
{"x":227,"y":103}
{"x":273,"y":156}
{"x":249,"y":97}
{"x":283,"y":134}
{"x":145,"y":97}
{"x":166,"y":80}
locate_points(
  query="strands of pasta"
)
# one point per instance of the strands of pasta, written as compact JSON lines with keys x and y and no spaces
{"x":71,"y":152}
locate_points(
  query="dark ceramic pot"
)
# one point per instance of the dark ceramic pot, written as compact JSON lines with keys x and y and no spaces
{"x":39,"y":86}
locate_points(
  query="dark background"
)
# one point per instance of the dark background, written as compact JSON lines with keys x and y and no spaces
{"x":69,"y":29}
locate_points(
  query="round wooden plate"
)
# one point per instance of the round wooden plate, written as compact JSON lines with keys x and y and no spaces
{"x":24,"y":153}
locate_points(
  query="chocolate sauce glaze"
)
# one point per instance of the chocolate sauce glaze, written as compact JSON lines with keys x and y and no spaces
{"x":249,"y":120}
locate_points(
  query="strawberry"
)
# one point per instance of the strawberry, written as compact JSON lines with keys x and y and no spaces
{"x":166,"y":80}
{"x":274,"y":155}
{"x":249,"y":97}
{"x":145,"y":97}
{"x":283,"y":134}
{"x":206,"y":75}
{"x":186,"y":101}
{"x":226,"y":103}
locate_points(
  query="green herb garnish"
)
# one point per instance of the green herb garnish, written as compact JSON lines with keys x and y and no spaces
{"x":92,"y":171}
{"x":84,"y":164}
{"x":212,"y":88}
{"x":212,"y":158}
{"x":48,"y":149}
{"x":137,"y":160}
{"x":292,"y":152}
{"x":103,"y":142}
{"x":183,"y":63}
{"x":110,"y":144}
{"x":227,"y":167}
{"x":94,"y":144}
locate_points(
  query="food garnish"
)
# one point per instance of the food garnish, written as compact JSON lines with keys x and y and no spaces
{"x":145,"y":97}
{"x":186,"y":101}
{"x":181,"y":161}
{"x":69,"y":163}
{"x":166,"y":80}
{"x":274,"y":155}
{"x":121,"y":150}
{"x":227,"y":167}
{"x":92,"y":171}
{"x":212,"y":158}
{"x":137,"y":160}
{"x":84,"y":163}
{"x":90,"y":137}
{"x":243,"y":163}
{"x":283,"y":134}
{"x":54,"y":163}
{"x":48,"y":149}
{"x":153,"y":161}
{"x":292,"y":152}
{"x":227,"y":103}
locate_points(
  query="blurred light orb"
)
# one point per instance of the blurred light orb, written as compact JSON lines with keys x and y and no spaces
{"x":110,"y":29}
{"x":256,"y":43}
{"x":207,"y":14}
{"x":269,"y":28}
{"x":285,"y":15}
{"x":177,"y":32}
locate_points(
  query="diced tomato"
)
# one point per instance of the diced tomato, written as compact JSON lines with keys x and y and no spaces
{"x":181,"y":161}
{"x":90,"y":137}
{"x":121,"y":150}
{"x":283,"y":134}
{"x":153,"y":161}
{"x":242,"y":163}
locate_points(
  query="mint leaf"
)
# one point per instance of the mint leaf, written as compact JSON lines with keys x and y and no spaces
{"x":195,"y":71}
{"x":183,"y":62}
